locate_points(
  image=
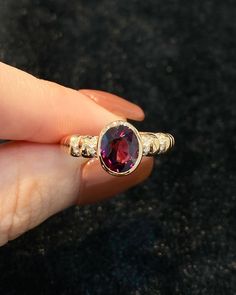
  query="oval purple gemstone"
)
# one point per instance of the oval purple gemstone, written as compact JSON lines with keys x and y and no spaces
{"x":119,"y":148}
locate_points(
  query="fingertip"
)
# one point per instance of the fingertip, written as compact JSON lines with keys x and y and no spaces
{"x":115,"y":104}
{"x":97,"y":184}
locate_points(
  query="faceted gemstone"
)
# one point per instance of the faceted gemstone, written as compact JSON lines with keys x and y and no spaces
{"x":151,"y":144}
{"x":74,"y":143}
{"x":119,"y":148}
{"x":89,"y":146}
{"x":147,"y":144}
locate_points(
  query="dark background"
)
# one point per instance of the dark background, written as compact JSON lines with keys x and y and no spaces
{"x":175,"y":234}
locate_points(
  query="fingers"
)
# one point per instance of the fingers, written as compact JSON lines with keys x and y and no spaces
{"x":40,"y":180}
{"x":42,"y":111}
{"x":115,"y":104}
{"x":97,"y":184}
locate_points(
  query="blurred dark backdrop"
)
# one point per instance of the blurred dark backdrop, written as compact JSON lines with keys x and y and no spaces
{"x":175,"y":234}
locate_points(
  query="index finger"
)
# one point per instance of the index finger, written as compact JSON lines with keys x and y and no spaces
{"x":41,"y":111}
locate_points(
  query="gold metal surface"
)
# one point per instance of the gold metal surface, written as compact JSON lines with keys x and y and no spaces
{"x":150,"y":144}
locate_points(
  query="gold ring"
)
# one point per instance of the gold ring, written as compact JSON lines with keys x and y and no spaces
{"x":120,"y":147}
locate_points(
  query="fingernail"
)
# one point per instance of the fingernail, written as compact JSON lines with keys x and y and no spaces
{"x":115,"y":104}
{"x":97,"y":184}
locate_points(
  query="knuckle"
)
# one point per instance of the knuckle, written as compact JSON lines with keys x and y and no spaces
{"x":20,"y":210}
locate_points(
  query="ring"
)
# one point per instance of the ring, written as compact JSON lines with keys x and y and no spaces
{"x":120,"y":147}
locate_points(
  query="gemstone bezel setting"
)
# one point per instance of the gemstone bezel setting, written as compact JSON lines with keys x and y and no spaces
{"x":140,"y":147}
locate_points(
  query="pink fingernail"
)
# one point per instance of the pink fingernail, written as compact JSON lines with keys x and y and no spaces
{"x":98,"y":185}
{"x":115,"y":104}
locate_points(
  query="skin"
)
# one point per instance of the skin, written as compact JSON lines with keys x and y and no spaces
{"x":37,"y":178}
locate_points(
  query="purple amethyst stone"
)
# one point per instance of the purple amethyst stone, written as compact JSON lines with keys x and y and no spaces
{"x":119,"y":148}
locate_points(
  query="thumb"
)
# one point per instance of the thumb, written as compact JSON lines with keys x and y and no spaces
{"x":40,"y":180}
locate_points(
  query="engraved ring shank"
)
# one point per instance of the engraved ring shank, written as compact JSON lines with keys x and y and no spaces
{"x":86,"y":146}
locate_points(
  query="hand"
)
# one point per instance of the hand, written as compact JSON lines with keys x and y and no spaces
{"x":36,"y":178}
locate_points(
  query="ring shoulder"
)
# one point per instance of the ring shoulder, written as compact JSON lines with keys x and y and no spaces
{"x":156,"y":143}
{"x":88,"y":146}
{"x":81,"y":146}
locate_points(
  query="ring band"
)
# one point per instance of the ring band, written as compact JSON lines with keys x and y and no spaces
{"x":120,"y":147}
